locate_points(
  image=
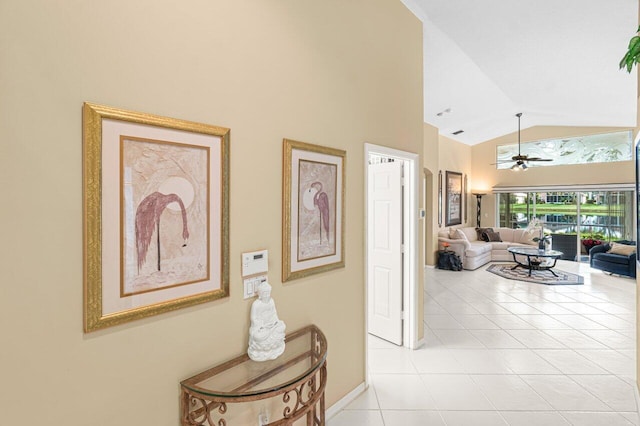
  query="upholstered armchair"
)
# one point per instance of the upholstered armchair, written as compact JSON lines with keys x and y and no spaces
{"x":621,"y":264}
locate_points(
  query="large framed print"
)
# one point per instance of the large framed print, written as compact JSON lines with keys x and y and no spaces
{"x":156,"y":214}
{"x":313,"y":209}
{"x":453,"y":197}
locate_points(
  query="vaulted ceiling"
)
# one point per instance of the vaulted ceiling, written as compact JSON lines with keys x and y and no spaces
{"x":554,"y":61}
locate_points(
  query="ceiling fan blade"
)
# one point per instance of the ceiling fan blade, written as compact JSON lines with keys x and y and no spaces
{"x":539,"y":159}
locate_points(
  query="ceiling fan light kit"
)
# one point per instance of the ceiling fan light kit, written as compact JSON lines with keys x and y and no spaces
{"x":520,"y":165}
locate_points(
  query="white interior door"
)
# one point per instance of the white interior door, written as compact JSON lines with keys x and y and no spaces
{"x":384,"y":229}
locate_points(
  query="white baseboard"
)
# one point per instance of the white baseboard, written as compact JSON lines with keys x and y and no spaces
{"x":346,"y":400}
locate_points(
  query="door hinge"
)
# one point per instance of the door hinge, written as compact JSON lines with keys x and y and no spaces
{"x":402,"y":248}
{"x":402,"y":315}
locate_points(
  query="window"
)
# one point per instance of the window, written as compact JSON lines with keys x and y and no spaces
{"x":571,"y":217}
{"x":602,"y":148}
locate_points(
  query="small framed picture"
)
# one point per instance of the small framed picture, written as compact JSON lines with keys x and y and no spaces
{"x":156,"y":214}
{"x":313,"y":209}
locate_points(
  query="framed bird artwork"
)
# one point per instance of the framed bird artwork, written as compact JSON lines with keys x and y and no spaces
{"x":313,"y":209}
{"x":156,"y":206}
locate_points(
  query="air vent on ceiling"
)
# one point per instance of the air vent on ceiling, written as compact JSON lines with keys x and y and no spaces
{"x":458,"y":132}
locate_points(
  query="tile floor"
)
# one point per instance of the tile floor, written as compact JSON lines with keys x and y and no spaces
{"x":502,"y":352}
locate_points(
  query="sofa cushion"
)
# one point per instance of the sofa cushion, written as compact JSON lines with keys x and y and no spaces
{"x":493,"y":236}
{"x":477,"y":248}
{"x":470,"y":233}
{"x":612,"y":258}
{"x":622,"y":249}
{"x":500,"y":245}
{"x":523,"y":236}
{"x":458,"y":235}
{"x":506,"y":234}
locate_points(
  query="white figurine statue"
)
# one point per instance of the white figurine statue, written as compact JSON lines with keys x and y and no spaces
{"x":266,"y":334}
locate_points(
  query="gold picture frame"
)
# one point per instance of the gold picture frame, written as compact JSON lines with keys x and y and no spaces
{"x":313,"y":209}
{"x":156,"y":214}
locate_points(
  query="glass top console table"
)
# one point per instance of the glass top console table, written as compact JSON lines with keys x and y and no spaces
{"x":298,"y":377}
{"x":536,"y":259}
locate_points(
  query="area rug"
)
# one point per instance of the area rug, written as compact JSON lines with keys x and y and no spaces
{"x":538,"y":277}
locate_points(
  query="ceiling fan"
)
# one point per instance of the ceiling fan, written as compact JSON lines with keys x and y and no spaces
{"x":522,"y":159}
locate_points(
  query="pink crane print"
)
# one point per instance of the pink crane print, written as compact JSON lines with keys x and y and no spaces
{"x":321,"y":200}
{"x":148,"y":219}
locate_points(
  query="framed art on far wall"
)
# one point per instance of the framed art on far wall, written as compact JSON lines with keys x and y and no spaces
{"x":465,"y":190}
{"x":439,"y":197}
{"x":453,"y":198}
{"x":156,"y":214}
{"x":313,"y":185}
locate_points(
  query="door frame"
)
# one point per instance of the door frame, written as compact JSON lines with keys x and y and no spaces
{"x":410,"y":262}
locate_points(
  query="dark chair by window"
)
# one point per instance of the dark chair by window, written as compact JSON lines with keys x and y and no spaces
{"x":614,"y":263}
{"x":566,"y":243}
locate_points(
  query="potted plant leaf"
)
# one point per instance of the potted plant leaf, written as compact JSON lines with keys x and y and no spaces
{"x":632,"y":56}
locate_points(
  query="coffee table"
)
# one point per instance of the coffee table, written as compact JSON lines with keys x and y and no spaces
{"x":537,"y":259}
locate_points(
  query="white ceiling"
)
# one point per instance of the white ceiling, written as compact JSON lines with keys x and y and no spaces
{"x":554,"y":61}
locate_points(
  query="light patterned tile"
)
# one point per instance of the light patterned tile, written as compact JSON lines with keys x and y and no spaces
{"x":412,"y":417}
{"x":574,"y":339}
{"x":526,"y":361}
{"x":536,"y":339}
{"x":496,"y":339}
{"x":591,"y":418}
{"x":455,"y":392}
{"x":402,"y":392}
{"x":534,"y":418}
{"x":510,"y":392}
{"x":615,"y":392}
{"x":465,"y":418}
{"x":569,"y":361}
{"x":562,"y":393}
{"x":357,"y":418}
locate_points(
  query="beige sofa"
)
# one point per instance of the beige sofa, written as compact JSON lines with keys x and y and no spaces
{"x":474,"y":252}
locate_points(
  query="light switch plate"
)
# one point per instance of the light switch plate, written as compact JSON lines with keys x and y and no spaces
{"x":251,"y":285}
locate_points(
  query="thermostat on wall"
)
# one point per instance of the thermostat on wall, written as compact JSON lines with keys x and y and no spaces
{"x":256,"y":262}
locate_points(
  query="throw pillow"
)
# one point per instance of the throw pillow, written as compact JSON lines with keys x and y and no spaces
{"x":452,"y":233}
{"x":481,"y":232}
{"x":460,"y":235}
{"x":493,"y":236}
{"x":623,"y":249}
{"x":527,"y":237}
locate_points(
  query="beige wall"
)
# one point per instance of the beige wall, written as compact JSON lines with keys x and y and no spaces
{"x":456,"y":157}
{"x":430,"y":163}
{"x":486,"y":176}
{"x":442,"y":154}
{"x":332,"y":73}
